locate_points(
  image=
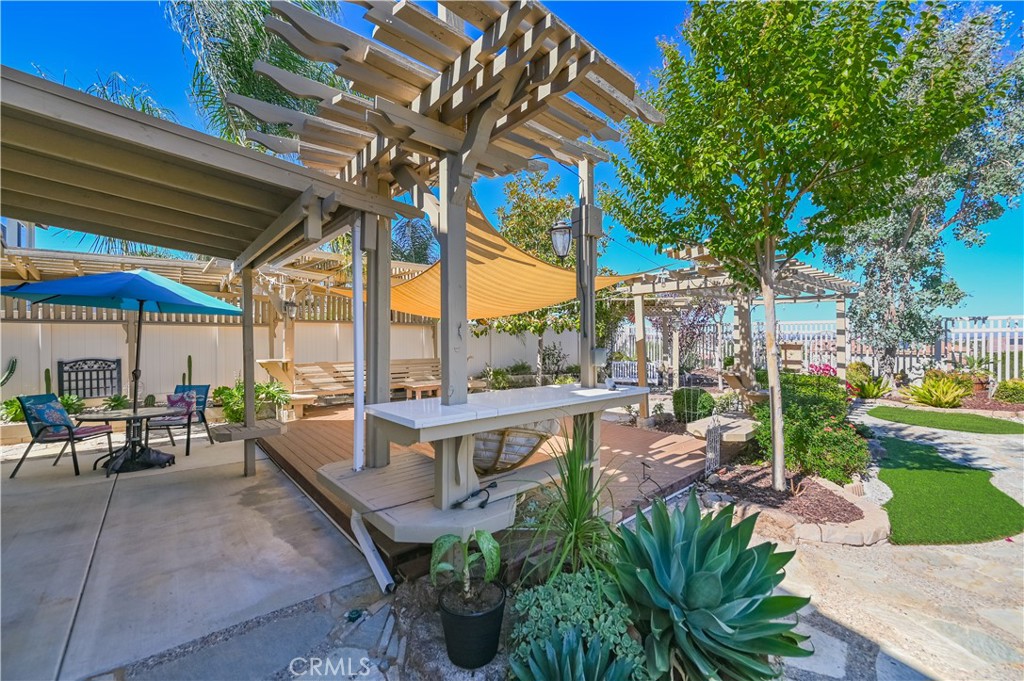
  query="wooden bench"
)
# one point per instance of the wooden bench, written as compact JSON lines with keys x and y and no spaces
{"x":328,"y":379}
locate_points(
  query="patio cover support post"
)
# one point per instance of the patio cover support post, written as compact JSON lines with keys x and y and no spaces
{"x":675,"y":359}
{"x":454,"y":477}
{"x":586,"y":220}
{"x":841,"y":352}
{"x":743,"y":339}
{"x":248,"y":369}
{"x":378,"y":329}
{"x":641,"y":350}
{"x":358,"y":348}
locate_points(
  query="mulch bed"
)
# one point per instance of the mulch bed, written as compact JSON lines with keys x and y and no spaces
{"x":986,"y":402}
{"x":815,"y":504}
{"x":672,"y":427}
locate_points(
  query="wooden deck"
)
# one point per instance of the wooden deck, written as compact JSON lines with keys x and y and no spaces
{"x":325,"y":436}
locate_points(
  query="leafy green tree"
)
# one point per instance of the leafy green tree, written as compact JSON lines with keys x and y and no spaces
{"x":780,"y":106}
{"x":900,"y":255}
{"x":226,"y":37}
{"x":532,"y":205}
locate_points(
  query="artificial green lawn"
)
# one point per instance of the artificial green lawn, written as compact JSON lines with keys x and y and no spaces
{"x":968,"y":423}
{"x":936,"y":501}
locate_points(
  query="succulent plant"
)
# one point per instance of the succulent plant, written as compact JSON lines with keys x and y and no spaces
{"x":566,"y":657}
{"x":702,"y":598}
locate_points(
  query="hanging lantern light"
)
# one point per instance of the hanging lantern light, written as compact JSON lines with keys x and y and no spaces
{"x":561,"y":238}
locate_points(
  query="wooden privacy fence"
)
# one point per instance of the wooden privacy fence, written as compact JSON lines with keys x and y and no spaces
{"x":314,"y":308}
{"x":1000,"y":339}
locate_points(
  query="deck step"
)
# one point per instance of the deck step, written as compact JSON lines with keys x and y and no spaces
{"x":734,"y":429}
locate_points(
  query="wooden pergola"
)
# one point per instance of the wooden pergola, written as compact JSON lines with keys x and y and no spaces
{"x":707,"y":278}
{"x":484,"y":88}
{"x":73,"y":160}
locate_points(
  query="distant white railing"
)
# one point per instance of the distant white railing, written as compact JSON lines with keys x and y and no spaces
{"x":626,"y":372}
{"x":998,"y":338}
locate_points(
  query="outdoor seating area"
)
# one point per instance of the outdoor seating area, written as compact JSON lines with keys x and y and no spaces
{"x":350,"y":372}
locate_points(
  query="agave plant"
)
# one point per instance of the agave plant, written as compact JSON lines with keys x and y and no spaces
{"x":566,"y":657}
{"x":702,"y":598}
{"x":938,"y":392}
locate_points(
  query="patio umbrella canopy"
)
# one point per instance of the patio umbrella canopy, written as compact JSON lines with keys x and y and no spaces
{"x":132,"y":290}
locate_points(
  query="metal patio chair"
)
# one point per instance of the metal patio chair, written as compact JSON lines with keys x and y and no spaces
{"x":48,"y":422}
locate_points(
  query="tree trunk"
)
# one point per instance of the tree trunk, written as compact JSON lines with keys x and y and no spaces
{"x":774,"y":387}
{"x":540,"y":359}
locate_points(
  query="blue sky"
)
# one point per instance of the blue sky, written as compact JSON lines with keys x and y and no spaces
{"x":75,"y":41}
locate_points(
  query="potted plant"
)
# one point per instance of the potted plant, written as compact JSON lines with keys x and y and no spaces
{"x":472,"y":606}
{"x":977,"y":369}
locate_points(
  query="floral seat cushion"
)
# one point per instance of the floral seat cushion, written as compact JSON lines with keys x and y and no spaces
{"x":185,"y":401}
{"x":53,"y":416}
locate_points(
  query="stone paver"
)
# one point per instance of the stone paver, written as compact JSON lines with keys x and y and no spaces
{"x":942,"y":612}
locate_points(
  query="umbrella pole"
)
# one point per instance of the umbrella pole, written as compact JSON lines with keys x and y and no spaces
{"x":136,"y":372}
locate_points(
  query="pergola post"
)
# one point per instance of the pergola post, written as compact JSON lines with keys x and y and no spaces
{"x":454,"y":476}
{"x":841,"y":351}
{"x":675,"y":358}
{"x":641,"y":351}
{"x":586,"y":220}
{"x":743,"y":339}
{"x":378,"y":331}
{"x":248,"y":370}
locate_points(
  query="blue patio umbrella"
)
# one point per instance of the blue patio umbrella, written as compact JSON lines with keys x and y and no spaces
{"x":131,"y":290}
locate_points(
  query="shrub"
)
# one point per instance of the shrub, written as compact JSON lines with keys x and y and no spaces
{"x":272,"y":393}
{"x":728,"y":362}
{"x":690,"y":404}
{"x":834,"y":452}
{"x":702,"y":598}
{"x":73,"y":404}
{"x":220,"y":392}
{"x":12,"y":411}
{"x":960,"y":377}
{"x":581,"y":600}
{"x":520,"y":368}
{"x":730,"y":402}
{"x":552,"y":359}
{"x":497,"y":379}
{"x":872,"y":389}
{"x":947,"y":392}
{"x":117,"y":402}
{"x":810,"y":404}
{"x":825,"y":369}
{"x":1010,"y":390}
{"x":569,"y":657}
{"x":564,"y":379}
{"x":857,"y":372}
{"x":572,"y":370}
{"x":150,"y":401}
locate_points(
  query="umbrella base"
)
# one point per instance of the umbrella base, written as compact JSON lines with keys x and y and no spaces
{"x":125,"y":461}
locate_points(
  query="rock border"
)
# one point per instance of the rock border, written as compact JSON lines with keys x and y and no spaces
{"x":872,"y":529}
{"x":991,"y":413}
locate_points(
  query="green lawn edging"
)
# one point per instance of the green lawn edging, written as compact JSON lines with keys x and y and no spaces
{"x":937,"y":501}
{"x":966,"y":423}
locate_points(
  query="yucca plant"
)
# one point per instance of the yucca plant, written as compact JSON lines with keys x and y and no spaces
{"x":567,"y":657}
{"x":938,"y":392}
{"x":570,"y":532}
{"x":702,"y":598}
{"x":872,"y":387}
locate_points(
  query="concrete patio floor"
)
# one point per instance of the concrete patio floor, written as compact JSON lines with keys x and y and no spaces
{"x":100,"y":572}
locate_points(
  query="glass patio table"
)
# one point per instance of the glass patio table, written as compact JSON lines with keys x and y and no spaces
{"x":133,"y":455}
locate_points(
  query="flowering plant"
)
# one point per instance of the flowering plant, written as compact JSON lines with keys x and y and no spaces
{"x":821,"y":369}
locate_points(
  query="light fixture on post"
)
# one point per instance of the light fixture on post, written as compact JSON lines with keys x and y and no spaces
{"x":291,"y":309}
{"x":561,"y":238}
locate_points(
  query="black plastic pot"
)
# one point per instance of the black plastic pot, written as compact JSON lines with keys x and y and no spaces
{"x":472,"y":639}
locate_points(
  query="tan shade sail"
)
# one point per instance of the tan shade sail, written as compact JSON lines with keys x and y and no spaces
{"x":501,"y":279}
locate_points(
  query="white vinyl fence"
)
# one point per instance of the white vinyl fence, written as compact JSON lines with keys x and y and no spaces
{"x":1000,"y":339}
